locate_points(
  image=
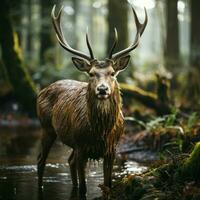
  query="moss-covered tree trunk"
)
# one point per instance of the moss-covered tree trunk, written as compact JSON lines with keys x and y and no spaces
{"x":172,"y":37}
{"x":11,"y":54}
{"x":117,"y":17}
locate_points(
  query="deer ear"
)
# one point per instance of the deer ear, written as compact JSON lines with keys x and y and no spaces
{"x":122,"y":63}
{"x":81,"y":64}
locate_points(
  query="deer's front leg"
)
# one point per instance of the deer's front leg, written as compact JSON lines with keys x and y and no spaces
{"x":107,"y":169}
{"x":81,"y":165}
{"x":72,"y":164}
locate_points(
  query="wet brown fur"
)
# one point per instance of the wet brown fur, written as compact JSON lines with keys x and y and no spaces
{"x":91,"y":127}
{"x":85,"y":116}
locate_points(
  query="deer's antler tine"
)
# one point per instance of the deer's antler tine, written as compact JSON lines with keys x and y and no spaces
{"x":89,"y":46}
{"x":140,"y":29}
{"x":60,"y":36}
{"x":114,"y":44}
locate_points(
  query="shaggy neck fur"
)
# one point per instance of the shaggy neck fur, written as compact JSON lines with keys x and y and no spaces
{"x":103,"y":114}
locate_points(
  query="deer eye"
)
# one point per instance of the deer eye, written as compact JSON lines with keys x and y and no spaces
{"x":91,"y":74}
{"x":112,"y":74}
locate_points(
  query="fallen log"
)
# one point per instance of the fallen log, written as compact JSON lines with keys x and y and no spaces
{"x":158,"y":101}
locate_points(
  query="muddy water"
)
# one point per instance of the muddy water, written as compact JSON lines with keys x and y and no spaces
{"x":18,"y":180}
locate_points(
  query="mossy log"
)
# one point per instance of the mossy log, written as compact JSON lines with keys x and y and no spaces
{"x":191,"y":167}
{"x":23,"y":86}
{"x":149,"y":99}
{"x":178,"y":180}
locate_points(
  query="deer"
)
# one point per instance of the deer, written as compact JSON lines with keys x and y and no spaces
{"x":86,"y":116}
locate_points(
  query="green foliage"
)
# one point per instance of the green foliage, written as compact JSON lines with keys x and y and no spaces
{"x":134,"y":183}
{"x":191,"y":167}
{"x":170,"y":119}
{"x":174,"y":132}
{"x":156,"y":122}
{"x":176,"y":180}
{"x":193,"y":118}
{"x":164,"y":121}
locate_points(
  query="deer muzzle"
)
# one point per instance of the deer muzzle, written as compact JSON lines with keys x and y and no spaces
{"x":102,"y":91}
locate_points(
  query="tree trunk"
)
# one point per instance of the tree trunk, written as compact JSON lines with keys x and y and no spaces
{"x":195,"y":34}
{"x":29,"y":31}
{"x":117,"y":17}
{"x":46,"y":41}
{"x":172,"y":37}
{"x":23,"y":86}
{"x":16,"y":7}
{"x":75,"y":4}
{"x":193,"y":89}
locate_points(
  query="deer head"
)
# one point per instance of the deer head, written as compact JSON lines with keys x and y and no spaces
{"x":102,"y":73}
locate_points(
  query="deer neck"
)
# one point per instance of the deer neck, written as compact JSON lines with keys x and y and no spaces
{"x":103,"y":114}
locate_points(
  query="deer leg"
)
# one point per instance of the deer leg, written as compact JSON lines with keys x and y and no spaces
{"x":47,"y":142}
{"x":73,"y":169}
{"x":107,"y":169}
{"x":81,"y":165}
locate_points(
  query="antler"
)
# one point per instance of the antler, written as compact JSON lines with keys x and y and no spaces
{"x":63,"y":42}
{"x":114,"y":44}
{"x":140,"y":29}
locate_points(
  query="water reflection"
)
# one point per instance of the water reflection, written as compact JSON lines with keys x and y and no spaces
{"x":18,"y":177}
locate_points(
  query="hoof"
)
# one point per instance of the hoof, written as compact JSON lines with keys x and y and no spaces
{"x":40,"y":188}
{"x":74,"y":192}
{"x":40,"y":184}
{"x":82,"y":197}
{"x":82,"y":193}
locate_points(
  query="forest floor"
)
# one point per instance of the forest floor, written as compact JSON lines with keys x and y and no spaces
{"x":169,"y":145}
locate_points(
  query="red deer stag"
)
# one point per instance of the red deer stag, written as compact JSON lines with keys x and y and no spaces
{"x":85,"y":116}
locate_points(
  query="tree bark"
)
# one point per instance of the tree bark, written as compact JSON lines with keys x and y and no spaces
{"x":193,"y":88}
{"x":117,"y":17}
{"x":172,"y":37}
{"x":195,"y":34}
{"x":29,"y":31}
{"x":16,"y":6}
{"x":75,"y":4}
{"x":46,"y":40}
{"x":24,"y":88}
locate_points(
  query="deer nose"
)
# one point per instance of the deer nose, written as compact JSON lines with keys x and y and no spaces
{"x":102,"y":89}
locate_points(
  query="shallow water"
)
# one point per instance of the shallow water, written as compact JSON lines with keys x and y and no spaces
{"x":18,"y":178}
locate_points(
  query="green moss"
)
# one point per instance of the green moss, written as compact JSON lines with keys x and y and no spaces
{"x":191,"y":166}
{"x":134,"y":187}
{"x":176,"y":180}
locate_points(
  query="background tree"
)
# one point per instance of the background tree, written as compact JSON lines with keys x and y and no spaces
{"x":17,"y":17}
{"x":29,"y":30}
{"x":193,"y":89}
{"x":24,"y":88}
{"x":75,"y":4}
{"x":46,"y":40}
{"x":117,"y":17}
{"x":172,"y":36}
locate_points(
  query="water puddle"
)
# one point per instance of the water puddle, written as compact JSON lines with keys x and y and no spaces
{"x":18,"y":177}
